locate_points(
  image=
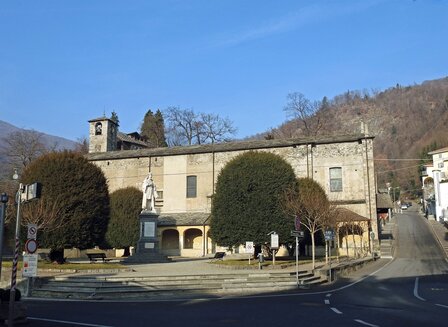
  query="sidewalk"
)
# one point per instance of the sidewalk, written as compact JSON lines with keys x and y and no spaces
{"x":441,"y":234}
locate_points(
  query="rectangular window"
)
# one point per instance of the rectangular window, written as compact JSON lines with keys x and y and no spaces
{"x":336,"y":179}
{"x":191,"y":186}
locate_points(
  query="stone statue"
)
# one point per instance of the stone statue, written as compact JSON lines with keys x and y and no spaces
{"x":149,"y":194}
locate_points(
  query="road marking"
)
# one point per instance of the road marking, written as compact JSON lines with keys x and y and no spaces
{"x":443,"y":306}
{"x":416,"y":290}
{"x":68,"y":322}
{"x":327,"y":301}
{"x":336,"y":311}
{"x":365,"y":323}
{"x":329,"y":295}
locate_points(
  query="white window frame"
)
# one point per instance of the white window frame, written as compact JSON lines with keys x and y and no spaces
{"x":336,"y":182}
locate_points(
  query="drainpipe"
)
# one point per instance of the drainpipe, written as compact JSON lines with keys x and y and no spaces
{"x":204,"y":238}
{"x":368,"y":193}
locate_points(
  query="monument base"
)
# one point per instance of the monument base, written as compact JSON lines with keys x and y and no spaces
{"x":147,"y":258}
{"x":148,"y":244}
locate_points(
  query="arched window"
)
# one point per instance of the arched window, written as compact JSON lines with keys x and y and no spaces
{"x":98,"y":129}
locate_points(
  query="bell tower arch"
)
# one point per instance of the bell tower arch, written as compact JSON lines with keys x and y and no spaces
{"x":102,"y":135}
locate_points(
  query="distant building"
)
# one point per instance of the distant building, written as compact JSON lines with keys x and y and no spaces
{"x":186,"y":176}
{"x":439,"y":172}
{"x":104,"y":136}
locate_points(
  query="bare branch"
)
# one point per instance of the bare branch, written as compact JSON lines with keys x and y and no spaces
{"x":22,"y":147}
{"x":44,"y":213}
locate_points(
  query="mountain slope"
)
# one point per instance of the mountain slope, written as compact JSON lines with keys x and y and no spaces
{"x":406,"y":122}
{"x":51,"y":141}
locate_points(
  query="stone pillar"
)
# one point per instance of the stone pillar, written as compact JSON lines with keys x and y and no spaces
{"x":148,"y":242}
{"x":148,"y":247}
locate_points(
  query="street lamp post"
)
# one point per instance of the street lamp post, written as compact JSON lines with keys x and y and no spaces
{"x":12,"y":295}
{"x":4,"y":201}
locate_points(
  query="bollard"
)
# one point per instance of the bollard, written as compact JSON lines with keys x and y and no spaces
{"x":260,"y":260}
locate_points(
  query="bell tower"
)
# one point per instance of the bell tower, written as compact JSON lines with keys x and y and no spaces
{"x":102,"y":135}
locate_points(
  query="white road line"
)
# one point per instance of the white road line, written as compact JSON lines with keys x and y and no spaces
{"x":68,"y":322}
{"x":336,"y":311}
{"x":327,"y":301}
{"x":365,"y":323}
{"x":441,"y":305}
{"x":329,"y":295}
{"x":416,"y":290}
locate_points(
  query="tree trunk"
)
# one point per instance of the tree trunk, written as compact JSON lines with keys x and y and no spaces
{"x":313,"y":250}
{"x":127,"y":252}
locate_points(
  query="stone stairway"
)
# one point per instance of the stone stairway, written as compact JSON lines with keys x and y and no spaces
{"x":160,"y":287}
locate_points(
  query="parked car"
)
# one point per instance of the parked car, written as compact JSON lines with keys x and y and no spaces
{"x":404,"y":206}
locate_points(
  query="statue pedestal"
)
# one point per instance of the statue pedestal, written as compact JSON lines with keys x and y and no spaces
{"x":148,"y":244}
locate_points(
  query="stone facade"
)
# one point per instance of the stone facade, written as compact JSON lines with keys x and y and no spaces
{"x":173,"y":168}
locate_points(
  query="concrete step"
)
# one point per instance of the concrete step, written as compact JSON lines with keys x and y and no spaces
{"x":83,"y":287}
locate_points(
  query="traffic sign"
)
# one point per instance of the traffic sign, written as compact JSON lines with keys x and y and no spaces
{"x":274,"y":241}
{"x":32,"y":231}
{"x":298,"y":233}
{"x":329,"y":235}
{"x":29,"y":265}
{"x":31,"y":246}
{"x":250,"y":247}
{"x":297,"y":223}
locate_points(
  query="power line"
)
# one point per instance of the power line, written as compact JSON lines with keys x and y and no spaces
{"x":386,"y":171}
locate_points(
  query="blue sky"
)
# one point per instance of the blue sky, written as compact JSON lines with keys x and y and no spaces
{"x":63,"y":62}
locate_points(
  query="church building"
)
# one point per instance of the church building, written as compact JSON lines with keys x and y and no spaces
{"x":185,"y":178}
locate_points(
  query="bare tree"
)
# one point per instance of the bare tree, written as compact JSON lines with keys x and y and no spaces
{"x":22,"y":147}
{"x":306,"y":112}
{"x":310,"y":203}
{"x":184,"y":126}
{"x":82,"y":145}
{"x":216,"y":128}
{"x":44,"y":213}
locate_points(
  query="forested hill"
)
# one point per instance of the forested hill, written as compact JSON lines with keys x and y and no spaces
{"x":407,"y":122}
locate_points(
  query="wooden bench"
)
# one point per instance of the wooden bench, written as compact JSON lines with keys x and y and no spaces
{"x":97,"y":256}
{"x":219,"y":256}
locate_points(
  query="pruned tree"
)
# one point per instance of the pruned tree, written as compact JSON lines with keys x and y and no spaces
{"x":308,"y":201}
{"x":247,"y":202}
{"x":123,"y":227}
{"x":75,"y":191}
{"x":153,"y":129}
{"x":305,"y":111}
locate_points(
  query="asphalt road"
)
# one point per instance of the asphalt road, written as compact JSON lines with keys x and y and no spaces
{"x":411,"y":290}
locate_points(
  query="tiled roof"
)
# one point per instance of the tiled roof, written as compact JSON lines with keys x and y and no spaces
{"x":438,"y":151}
{"x":225,"y":147}
{"x":345,"y":215}
{"x":184,"y":219}
{"x":129,"y":139}
{"x":383,"y":201}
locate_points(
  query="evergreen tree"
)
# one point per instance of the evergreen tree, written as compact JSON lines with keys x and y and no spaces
{"x":123,"y":228}
{"x":247,"y":202}
{"x":153,"y":129}
{"x":114,"y":117}
{"x":79,"y":189}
